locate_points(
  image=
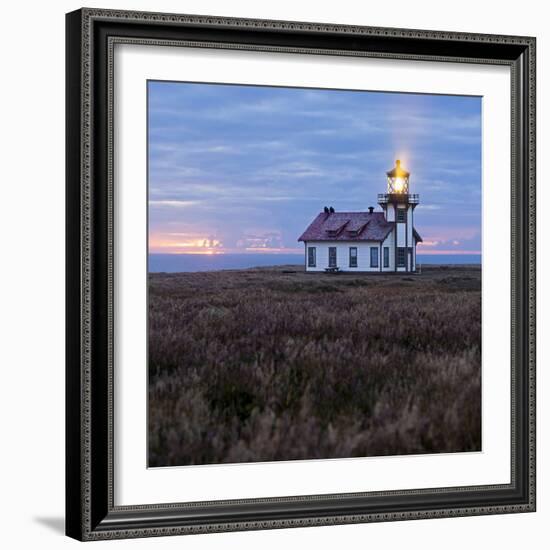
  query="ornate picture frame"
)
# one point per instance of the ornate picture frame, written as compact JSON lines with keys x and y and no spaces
{"x":91,"y":511}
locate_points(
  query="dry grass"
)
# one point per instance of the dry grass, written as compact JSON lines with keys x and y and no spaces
{"x":262,"y":365}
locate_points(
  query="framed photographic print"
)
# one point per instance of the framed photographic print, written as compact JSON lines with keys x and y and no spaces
{"x":300,"y":274}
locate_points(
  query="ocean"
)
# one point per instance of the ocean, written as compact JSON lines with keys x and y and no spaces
{"x":173,"y":263}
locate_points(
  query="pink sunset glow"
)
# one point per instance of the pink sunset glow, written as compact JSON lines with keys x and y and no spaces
{"x":202,"y":243}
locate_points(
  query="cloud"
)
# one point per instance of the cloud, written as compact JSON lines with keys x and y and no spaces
{"x":429,"y":207}
{"x":270,"y":240}
{"x":235,"y":157}
{"x":196,"y":149}
{"x":174,"y":203}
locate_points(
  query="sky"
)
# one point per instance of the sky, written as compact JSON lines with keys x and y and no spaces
{"x":245,"y":169}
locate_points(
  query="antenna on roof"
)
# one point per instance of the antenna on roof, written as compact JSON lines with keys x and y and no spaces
{"x":331,"y":210}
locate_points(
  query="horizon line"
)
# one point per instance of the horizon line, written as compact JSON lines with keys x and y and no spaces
{"x":294,"y":252}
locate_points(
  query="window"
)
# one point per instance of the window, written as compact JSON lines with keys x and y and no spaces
{"x":386,"y":256}
{"x":353,"y":256}
{"x":400,"y":257}
{"x":401,"y":215}
{"x":332,"y":256}
{"x":374,"y":256}
{"x":311,"y":256}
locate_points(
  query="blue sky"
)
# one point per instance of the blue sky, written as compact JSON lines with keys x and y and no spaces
{"x":246,"y":168}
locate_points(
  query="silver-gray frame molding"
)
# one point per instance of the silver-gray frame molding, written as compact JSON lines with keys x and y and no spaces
{"x":91,"y":37}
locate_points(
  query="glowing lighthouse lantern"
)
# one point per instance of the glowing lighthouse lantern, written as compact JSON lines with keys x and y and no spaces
{"x":398,"y":179}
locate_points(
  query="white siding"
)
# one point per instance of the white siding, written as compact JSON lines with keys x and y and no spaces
{"x":405,"y":240}
{"x":389,"y":243}
{"x":390,"y":212}
{"x":342,"y":255}
{"x":410,"y":241}
{"x":400,"y":229}
{"x":413,"y":241}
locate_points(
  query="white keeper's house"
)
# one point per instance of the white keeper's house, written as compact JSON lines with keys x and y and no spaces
{"x":367,"y":241}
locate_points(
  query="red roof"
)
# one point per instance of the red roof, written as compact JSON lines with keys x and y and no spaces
{"x":348,"y":226}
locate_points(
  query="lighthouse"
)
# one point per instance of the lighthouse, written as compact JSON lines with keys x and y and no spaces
{"x":398,"y":205}
{"x":366,"y":241}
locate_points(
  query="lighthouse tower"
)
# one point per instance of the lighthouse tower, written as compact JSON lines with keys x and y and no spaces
{"x":398,"y":205}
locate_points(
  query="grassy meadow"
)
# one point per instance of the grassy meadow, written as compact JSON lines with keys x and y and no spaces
{"x":275,"y":364}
